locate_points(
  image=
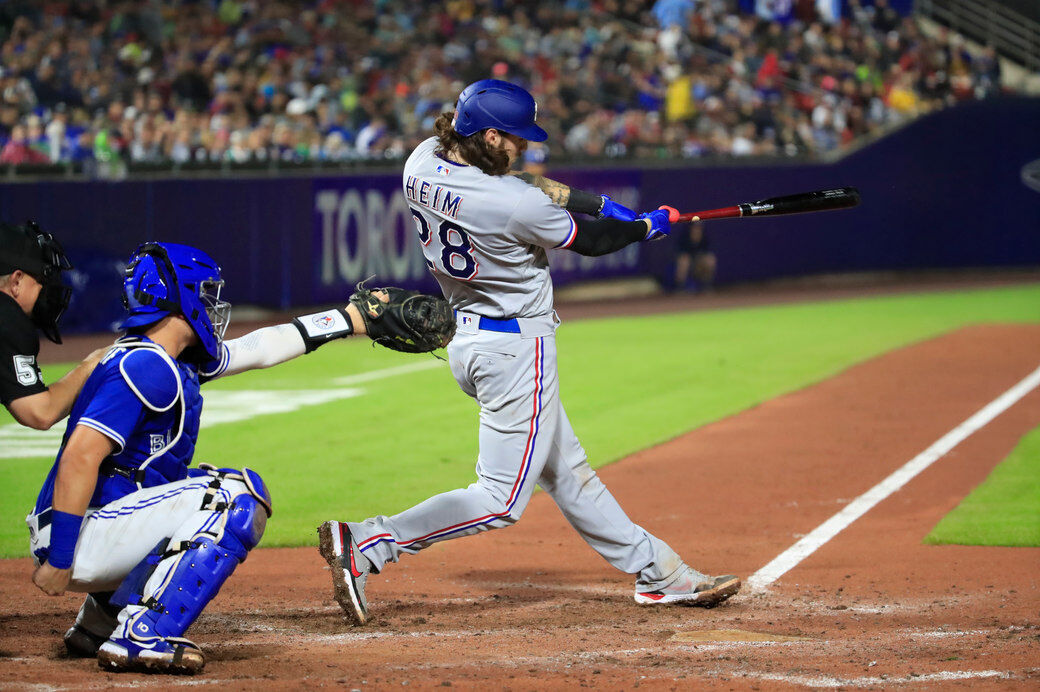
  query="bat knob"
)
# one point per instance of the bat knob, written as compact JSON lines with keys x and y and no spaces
{"x":673,"y":213}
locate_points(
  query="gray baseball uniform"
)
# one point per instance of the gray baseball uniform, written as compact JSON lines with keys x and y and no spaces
{"x":485,"y":238}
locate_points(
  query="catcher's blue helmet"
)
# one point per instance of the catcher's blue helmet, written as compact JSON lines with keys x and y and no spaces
{"x":167,"y":278}
{"x":492,"y":103}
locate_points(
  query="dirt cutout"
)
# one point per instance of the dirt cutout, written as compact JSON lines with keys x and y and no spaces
{"x":533,"y":608}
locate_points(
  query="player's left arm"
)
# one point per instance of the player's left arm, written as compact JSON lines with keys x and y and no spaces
{"x":539,"y":221}
{"x":73,"y":488}
{"x":574,"y":200}
{"x":270,"y":346}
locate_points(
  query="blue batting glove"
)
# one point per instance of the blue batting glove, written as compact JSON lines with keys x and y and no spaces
{"x":613,"y":210}
{"x":660,"y":222}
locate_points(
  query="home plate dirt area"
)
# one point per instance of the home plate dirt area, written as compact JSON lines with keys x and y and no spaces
{"x":533,"y":608}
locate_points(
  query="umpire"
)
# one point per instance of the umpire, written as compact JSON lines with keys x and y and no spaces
{"x":33,"y":297}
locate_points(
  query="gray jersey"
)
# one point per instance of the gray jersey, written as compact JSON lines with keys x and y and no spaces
{"x":484,"y":237}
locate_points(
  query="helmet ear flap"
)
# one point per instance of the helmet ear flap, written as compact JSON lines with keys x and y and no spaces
{"x":166,"y":277}
{"x":150,"y":290}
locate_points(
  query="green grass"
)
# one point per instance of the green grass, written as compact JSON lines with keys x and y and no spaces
{"x":627,"y":383}
{"x":1004,"y":509}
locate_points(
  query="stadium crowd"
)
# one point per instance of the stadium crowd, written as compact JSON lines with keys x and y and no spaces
{"x":248,"y":81}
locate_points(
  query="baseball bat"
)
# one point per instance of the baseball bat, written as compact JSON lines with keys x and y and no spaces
{"x":820,"y":200}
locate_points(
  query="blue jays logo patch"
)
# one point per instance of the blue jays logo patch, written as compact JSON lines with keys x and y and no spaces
{"x":323,"y":322}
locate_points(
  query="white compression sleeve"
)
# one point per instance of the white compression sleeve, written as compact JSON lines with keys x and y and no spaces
{"x":263,"y":348}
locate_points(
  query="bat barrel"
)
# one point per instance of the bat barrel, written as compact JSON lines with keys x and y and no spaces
{"x":820,"y":200}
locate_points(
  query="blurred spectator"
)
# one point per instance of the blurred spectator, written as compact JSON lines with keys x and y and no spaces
{"x":535,"y":157}
{"x":17,"y":149}
{"x":694,"y":261}
{"x":248,"y":81}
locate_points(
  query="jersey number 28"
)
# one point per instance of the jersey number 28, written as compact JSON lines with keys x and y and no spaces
{"x":456,"y":258}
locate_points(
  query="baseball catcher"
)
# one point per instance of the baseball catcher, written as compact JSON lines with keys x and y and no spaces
{"x":121,"y":516}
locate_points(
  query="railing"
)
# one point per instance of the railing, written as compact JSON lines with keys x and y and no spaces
{"x":1014,"y":35}
{"x":124,"y":170}
{"x":119,"y":169}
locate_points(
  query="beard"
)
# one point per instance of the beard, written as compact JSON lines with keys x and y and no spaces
{"x":521,"y":147}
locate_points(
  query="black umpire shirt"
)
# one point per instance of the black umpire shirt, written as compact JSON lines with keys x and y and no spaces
{"x":19,"y":346}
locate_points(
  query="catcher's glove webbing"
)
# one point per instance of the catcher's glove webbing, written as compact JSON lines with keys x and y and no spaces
{"x":410,"y":321}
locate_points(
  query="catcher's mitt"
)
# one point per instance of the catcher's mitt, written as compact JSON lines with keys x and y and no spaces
{"x":410,"y":321}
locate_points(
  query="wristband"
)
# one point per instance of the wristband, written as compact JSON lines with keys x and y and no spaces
{"x":322,"y":327}
{"x":64,"y":533}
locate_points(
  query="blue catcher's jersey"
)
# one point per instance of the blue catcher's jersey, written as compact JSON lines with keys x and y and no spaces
{"x":149,"y":405}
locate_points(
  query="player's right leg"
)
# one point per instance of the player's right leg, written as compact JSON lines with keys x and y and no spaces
{"x":511,"y":377}
{"x":136,"y":545}
{"x":167,"y":591}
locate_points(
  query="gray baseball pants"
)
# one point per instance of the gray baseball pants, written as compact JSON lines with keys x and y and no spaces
{"x":525,"y":439}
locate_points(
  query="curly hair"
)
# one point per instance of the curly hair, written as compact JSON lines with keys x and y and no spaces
{"x":474,"y":149}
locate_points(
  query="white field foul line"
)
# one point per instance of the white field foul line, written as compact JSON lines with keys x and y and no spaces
{"x":388,"y":372}
{"x":862,"y":504}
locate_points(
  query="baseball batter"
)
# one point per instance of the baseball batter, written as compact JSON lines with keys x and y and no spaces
{"x":484,"y":235}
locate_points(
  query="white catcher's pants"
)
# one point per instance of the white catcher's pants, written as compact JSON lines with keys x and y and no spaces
{"x":525,"y":438}
{"x":117,"y":537}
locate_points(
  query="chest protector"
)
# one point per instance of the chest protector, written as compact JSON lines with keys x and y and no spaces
{"x":170,"y":393}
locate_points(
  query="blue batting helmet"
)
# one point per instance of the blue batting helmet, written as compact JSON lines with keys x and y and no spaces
{"x":170,"y":279}
{"x":492,"y":103}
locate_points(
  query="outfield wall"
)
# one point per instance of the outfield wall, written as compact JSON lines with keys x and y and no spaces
{"x":943,"y":192}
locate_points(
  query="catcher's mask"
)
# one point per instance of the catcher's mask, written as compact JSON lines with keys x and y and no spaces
{"x":170,"y":279}
{"x":40,"y":256}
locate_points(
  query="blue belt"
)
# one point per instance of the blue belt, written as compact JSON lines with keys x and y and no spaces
{"x":490,"y":324}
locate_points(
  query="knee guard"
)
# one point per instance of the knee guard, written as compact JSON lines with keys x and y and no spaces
{"x":180,"y":580}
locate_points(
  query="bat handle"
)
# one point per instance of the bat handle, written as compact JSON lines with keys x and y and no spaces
{"x":723,"y":213}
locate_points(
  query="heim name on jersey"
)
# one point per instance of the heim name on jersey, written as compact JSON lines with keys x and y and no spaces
{"x":444,"y":201}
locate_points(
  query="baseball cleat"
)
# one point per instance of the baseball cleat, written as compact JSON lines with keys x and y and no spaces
{"x":81,"y":643}
{"x":707,"y":594}
{"x":174,"y":655}
{"x":349,"y":569}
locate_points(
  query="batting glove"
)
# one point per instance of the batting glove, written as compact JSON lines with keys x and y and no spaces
{"x":613,"y":210}
{"x":660,"y":221}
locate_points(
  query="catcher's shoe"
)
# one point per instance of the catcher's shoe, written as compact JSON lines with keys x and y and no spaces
{"x":174,"y":655}
{"x":82,"y":643}
{"x":706,"y":594}
{"x":349,"y":569}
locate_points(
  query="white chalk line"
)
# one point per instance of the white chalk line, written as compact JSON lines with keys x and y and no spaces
{"x":221,"y":406}
{"x":829,"y":681}
{"x":350,"y":380}
{"x":812,"y":541}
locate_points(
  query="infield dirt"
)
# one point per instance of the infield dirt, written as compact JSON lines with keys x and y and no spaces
{"x":533,"y":608}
